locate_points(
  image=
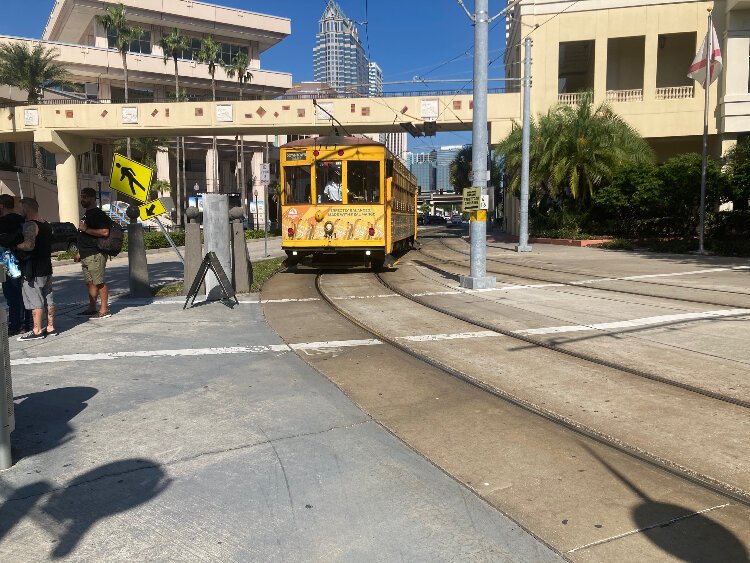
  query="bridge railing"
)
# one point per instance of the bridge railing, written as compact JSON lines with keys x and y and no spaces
{"x":300,"y":96}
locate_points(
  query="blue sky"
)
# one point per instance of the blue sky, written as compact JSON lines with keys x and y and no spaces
{"x":407,"y":38}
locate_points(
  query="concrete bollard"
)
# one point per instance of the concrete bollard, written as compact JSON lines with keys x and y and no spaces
{"x":7,"y":417}
{"x":241,"y":267}
{"x":140,"y":285}
{"x":216,"y":235}
{"x":193,"y":255}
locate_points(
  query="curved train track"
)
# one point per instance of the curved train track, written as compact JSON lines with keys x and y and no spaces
{"x":550,"y":279}
{"x":705,"y":481}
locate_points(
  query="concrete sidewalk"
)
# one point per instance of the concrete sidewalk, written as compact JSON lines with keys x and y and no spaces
{"x":162,"y":434}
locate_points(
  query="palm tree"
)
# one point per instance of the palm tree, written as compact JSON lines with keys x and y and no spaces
{"x":575,"y":149}
{"x":115,"y":23}
{"x":239,"y":68}
{"x":29,"y":68}
{"x":172,"y":46}
{"x":209,"y":54}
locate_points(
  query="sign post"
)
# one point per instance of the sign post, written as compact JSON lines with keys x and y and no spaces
{"x":265,"y":179}
{"x":134,"y":180}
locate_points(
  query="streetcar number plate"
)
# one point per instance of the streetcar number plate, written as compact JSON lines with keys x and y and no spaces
{"x":292,"y":156}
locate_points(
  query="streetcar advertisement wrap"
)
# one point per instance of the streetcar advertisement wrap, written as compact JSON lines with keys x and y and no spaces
{"x":333,"y":225}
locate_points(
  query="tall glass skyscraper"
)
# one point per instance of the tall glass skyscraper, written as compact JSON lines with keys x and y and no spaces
{"x":445,"y":156}
{"x":338,"y":56}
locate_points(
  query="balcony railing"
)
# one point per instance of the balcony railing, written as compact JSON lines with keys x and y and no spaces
{"x":570,"y":98}
{"x":635,"y":95}
{"x":675,"y":92}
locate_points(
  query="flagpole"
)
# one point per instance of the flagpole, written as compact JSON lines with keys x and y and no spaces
{"x":707,"y":88}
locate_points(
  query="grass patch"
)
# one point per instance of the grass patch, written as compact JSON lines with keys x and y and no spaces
{"x":65,"y":256}
{"x":262,"y":272}
{"x":618,"y":244}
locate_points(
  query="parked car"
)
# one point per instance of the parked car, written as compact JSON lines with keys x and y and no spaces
{"x":64,"y":237}
{"x":436,"y":220}
{"x":456,"y":219}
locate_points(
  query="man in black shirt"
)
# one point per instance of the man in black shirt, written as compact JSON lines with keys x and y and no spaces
{"x":94,"y":225}
{"x":19,"y":319}
{"x":37,"y":270}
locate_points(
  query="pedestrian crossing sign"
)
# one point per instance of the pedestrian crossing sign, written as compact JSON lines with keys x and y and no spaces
{"x":151,"y":209}
{"x":131,"y":178}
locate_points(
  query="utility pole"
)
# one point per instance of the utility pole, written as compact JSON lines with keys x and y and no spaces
{"x":523,"y":235}
{"x":480,"y":147}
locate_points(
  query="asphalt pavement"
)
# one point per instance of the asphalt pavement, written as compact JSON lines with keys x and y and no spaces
{"x":163,"y":434}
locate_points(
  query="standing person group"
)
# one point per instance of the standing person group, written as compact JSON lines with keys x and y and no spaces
{"x":11,"y":224}
{"x":30,"y":295}
{"x":94,"y":225}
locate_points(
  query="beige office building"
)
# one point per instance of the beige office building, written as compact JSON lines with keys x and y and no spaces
{"x":97,"y":73}
{"x":635,"y":55}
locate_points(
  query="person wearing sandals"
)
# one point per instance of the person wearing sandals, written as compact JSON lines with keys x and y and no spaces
{"x":94,"y":225}
{"x":37,"y":270}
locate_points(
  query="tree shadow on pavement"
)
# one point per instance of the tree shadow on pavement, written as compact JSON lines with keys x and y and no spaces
{"x":69,"y":512}
{"x":678,"y":530}
{"x":43,"y":418}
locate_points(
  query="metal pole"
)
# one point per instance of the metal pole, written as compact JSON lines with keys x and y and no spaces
{"x":477,"y":279}
{"x":523,"y":235}
{"x":265,"y":201}
{"x":169,"y":239}
{"x":707,"y":88}
{"x":20,"y":188}
{"x":7,"y":420}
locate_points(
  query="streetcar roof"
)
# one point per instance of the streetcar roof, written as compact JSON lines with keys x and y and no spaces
{"x":332,"y":141}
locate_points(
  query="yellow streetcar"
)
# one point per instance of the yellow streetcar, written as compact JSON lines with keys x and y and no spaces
{"x":347,"y":197}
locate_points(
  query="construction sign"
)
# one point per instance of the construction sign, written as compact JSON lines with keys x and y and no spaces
{"x":472,"y":199}
{"x":131,"y":178}
{"x":151,"y":209}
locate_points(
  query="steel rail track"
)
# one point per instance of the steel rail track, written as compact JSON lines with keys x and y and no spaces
{"x":724,"y":489}
{"x":574,"y":284}
{"x":578,"y":355}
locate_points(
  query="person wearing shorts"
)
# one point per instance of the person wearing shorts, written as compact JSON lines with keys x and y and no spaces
{"x":94,"y":225}
{"x":37,"y":271}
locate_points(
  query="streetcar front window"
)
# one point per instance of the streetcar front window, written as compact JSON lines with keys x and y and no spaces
{"x":363,"y":181}
{"x":297,"y":181}
{"x":328,"y":181}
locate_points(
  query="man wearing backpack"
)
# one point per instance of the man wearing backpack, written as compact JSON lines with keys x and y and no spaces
{"x":94,"y":225}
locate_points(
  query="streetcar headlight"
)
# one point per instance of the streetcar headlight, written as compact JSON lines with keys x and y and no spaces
{"x":328,"y":227}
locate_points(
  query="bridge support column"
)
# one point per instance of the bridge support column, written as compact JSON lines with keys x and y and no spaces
{"x":212,"y":183}
{"x":67,"y":188}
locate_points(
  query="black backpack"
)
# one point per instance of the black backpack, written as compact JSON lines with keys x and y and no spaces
{"x":111,"y":245}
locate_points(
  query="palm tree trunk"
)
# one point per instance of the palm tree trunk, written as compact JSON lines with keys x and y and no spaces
{"x":184,"y":175}
{"x":178,"y":183}
{"x":214,"y":146}
{"x":125,"y":69}
{"x":243,"y":178}
{"x":179,"y":195}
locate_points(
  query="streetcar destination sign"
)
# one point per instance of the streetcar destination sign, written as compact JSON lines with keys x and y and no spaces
{"x":472,"y":199}
{"x":291,"y":156}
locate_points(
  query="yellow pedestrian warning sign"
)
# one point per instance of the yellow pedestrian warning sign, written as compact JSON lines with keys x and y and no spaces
{"x":151,"y":209}
{"x":472,"y":199}
{"x":131,"y":178}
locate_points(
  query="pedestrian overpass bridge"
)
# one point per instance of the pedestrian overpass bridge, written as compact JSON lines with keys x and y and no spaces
{"x":68,"y":129}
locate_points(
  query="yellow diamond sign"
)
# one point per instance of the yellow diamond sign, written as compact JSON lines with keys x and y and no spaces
{"x":131,"y":178}
{"x":151,"y":209}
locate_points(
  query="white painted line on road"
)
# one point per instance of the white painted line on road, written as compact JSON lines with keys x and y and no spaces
{"x":634,"y":323}
{"x":260,"y":349}
{"x":456,"y":336}
{"x":334,"y":344}
{"x":102,"y":356}
{"x":639,"y":530}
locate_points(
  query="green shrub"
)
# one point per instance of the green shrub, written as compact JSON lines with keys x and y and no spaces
{"x":618,"y":244}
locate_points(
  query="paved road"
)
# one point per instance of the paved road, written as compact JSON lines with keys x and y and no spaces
{"x":163,"y":434}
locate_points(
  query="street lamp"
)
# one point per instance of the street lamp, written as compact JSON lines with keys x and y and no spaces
{"x":255,"y":193}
